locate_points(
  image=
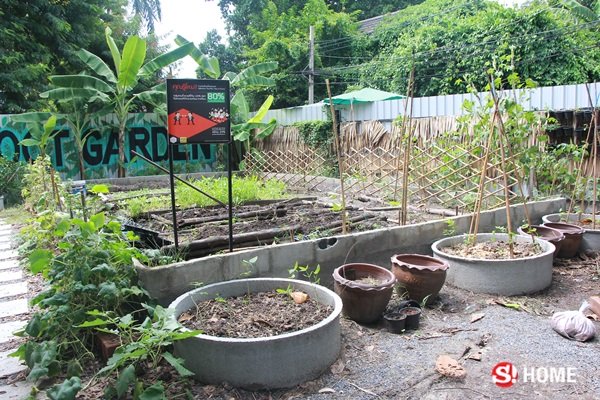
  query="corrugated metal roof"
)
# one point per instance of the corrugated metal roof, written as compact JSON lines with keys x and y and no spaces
{"x":369,"y":25}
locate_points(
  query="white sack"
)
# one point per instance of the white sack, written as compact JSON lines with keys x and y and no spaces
{"x":573,"y":324}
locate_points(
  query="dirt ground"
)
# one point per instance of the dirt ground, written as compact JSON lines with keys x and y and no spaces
{"x":377,"y":364}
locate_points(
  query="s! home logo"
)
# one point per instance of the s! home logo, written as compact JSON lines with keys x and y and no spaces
{"x":505,"y":374}
{"x":215,"y":97}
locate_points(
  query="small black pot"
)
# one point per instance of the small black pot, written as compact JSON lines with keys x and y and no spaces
{"x":413,"y":316}
{"x":395,"y":322}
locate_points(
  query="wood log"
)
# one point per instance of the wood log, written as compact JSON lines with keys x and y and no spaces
{"x":270,"y":212}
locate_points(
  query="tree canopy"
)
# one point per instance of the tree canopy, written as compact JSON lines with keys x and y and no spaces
{"x":41,"y":37}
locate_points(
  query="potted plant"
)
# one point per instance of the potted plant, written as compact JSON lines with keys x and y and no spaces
{"x":259,"y":363}
{"x":421,"y":276}
{"x":552,"y":235}
{"x":590,"y":240}
{"x":573,"y":238}
{"x":365,"y":290}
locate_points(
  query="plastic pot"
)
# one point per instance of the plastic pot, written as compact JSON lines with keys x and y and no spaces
{"x":395,"y":322}
{"x":413,"y":316}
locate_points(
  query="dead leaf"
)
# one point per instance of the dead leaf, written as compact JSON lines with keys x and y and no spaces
{"x":299,"y":297}
{"x":370,"y":348}
{"x":476,"y":317}
{"x":327,"y":390}
{"x":475,"y":355}
{"x":185,"y":317}
{"x":449,"y":367}
{"x":338,"y":367}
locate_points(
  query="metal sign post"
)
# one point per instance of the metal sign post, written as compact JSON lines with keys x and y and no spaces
{"x":198,"y":112}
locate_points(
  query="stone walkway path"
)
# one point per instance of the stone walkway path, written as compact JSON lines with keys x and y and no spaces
{"x":13,"y":309}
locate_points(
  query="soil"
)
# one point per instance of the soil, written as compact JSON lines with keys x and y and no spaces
{"x":496,"y":250}
{"x":369,"y":280}
{"x":254,"y":315}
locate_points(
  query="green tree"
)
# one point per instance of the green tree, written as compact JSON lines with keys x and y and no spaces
{"x":148,"y":10}
{"x":40,"y":38}
{"x":120,"y":86}
{"x":448,"y":41}
{"x":213,"y":46}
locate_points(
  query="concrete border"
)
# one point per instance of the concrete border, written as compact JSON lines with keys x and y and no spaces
{"x":165,"y":283}
{"x":268,"y":362}
{"x":590,"y":241}
{"x":505,"y":277}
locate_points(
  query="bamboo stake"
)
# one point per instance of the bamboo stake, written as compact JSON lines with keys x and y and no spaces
{"x":404,"y":209}
{"x":477,"y":209}
{"x":408,"y":93}
{"x":503,"y":166}
{"x":595,"y":179}
{"x":338,"y":150}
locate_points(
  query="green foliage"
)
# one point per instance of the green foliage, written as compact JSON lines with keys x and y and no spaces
{"x":11,"y":180}
{"x":145,"y":342}
{"x":42,"y":189}
{"x":450,"y":47}
{"x":90,"y":269}
{"x":244,"y":189}
{"x":311,"y":274}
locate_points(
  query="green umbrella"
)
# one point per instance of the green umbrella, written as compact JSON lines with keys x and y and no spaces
{"x":366,"y":95}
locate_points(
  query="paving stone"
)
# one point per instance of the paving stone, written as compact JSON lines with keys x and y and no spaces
{"x":8,"y":264}
{"x":10,"y":365}
{"x":13,"y":307}
{"x":6,"y":254}
{"x":7,"y":329}
{"x":13,"y":289}
{"x":6,"y":276}
{"x":6,"y":231}
{"x":17,"y":391}
{"x":5,"y":245}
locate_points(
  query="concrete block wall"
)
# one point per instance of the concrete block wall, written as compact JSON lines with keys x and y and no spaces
{"x":377,"y":247}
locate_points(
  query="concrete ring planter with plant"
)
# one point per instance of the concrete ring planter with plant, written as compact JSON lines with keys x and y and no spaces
{"x":591,"y":237}
{"x":261,"y":363}
{"x":505,"y":277}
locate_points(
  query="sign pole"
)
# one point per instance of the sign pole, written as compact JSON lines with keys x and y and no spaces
{"x":230,"y":193}
{"x":173,"y":206}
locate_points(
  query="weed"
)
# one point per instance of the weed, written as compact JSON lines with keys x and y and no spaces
{"x":450,"y":229}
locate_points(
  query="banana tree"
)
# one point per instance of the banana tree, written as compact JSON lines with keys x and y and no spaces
{"x":83,"y":109}
{"x":120,"y":87}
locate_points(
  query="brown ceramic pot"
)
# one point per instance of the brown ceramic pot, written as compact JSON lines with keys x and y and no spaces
{"x":420,"y":275}
{"x":552,"y":235}
{"x":573,"y":235}
{"x":365,"y":290}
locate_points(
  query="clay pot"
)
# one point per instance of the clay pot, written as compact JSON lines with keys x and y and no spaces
{"x":552,"y":235}
{"x":420,"y":275}
{"x":365,"y":290}
{"x":413,"y":317}
{"x":573,"y":234}
{"x":395,"y":322}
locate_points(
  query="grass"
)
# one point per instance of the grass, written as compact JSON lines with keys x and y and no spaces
{"x":16,"y":215}
{"x":244,"y":189}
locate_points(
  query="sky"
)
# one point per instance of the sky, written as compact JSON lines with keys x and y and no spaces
{"x":190,"y":19}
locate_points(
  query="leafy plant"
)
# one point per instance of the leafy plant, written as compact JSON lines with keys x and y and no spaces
{"x":311,"y":274}
{"x":148,"y":341}
{"x":450,"y":229}
{"x":11,"y":180}
{"x":89,"y":269}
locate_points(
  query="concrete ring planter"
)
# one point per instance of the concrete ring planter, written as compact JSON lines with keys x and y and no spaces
{"x":505,"y":277}
{"x":261,"y":363}
{"x":591,"y":237}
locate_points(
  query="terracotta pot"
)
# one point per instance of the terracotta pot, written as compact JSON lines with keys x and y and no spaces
{"x":365,"y":290}
{"x":420,"y":275}
{"x":573,"y":234}
{"x":552,"y":235}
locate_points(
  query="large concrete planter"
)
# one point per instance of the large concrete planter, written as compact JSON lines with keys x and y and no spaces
{"x":505,"y":277}
{"x":261,"y":363}
{"x":591,"y":237}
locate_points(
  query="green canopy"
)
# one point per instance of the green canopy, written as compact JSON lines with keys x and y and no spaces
{"x":366,"y":95}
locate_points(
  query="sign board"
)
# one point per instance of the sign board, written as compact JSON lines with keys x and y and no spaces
{"x":198,"y":111}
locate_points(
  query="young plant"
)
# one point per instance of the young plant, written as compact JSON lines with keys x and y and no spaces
{"x":450,"y":229}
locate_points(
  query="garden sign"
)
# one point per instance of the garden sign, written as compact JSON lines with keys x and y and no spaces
{"x":198,"y":112}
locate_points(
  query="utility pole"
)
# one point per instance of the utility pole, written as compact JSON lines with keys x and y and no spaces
{"x":311,"y":66}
